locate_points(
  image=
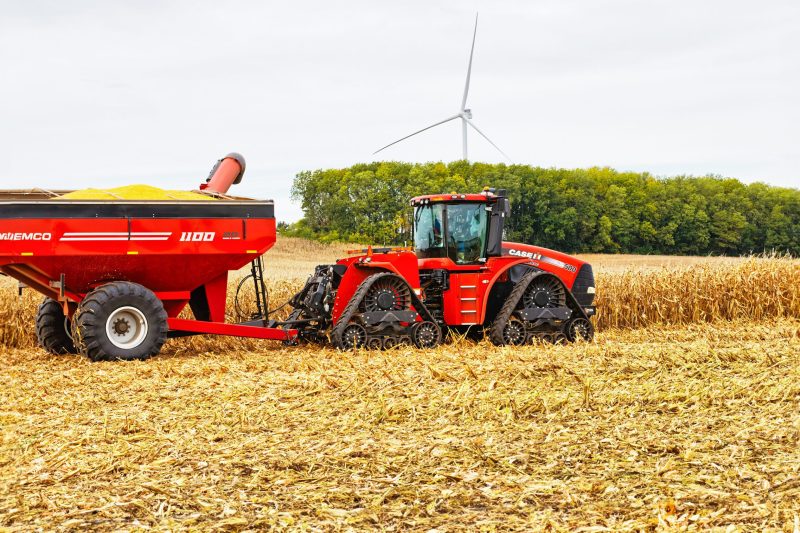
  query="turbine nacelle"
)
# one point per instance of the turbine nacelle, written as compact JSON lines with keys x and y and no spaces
{"x":465,"y":114}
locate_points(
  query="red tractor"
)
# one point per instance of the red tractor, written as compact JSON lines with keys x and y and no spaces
{"x":461,"y":275}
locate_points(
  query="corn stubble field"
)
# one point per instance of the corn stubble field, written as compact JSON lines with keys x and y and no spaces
{"x":683,"y":413}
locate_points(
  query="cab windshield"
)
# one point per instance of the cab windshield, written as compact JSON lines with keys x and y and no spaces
{"x":464,"y":226}
{"x":466,"y":232}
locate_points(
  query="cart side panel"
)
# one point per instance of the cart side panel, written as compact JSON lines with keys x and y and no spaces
{"x":176,"y":254}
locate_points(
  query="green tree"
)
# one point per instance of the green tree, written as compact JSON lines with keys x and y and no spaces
{"x":575,"y":210}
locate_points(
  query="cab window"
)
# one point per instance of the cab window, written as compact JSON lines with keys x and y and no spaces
{"x":429,"y":231}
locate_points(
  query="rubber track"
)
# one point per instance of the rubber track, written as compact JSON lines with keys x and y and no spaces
{"x":499,"y":324}
{"x":361,"y":292}
{"x":496,"y":331}
{"x":51,"y":329}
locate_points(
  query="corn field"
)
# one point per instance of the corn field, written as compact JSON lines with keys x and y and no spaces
{"x":753,"y":289}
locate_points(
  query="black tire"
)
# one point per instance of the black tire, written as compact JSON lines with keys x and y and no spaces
{"x":134,"y":309}
{"x":52,"y":329}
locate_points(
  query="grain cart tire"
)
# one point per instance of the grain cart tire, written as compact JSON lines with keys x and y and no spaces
{"x":120,"y":321}
{"x":52,"y":328}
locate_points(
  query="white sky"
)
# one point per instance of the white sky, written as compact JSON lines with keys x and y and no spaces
{"x":112,"y":93}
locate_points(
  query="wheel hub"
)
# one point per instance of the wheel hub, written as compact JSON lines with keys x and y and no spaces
{"x":386,"y":300}
{"x":387,"y":294}
{"x":579,"y":329}
{"x":426,"y":335}
{"x":121,"y":326}
{"x":126,"y":327}
{"x":541,"y":298}
{"x":544,"y":293}
{"x":389,"y":342}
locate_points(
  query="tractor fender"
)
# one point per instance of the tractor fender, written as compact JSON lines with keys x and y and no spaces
{"x":351,"y":279}
{"x":403,"y":265}
{"x":516,"y":271}
{"x":508,"y":267}
{"x":380,"y":266}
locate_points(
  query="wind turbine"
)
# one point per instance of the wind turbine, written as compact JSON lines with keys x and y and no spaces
{"x":464,"y":114}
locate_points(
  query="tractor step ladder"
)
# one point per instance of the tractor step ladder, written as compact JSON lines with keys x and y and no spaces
{"x":468,"y":295}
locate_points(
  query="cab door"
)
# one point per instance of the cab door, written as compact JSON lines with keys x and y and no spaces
{"x":461,"y":301}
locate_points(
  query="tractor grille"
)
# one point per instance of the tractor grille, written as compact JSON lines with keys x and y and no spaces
{"x":582,"y":283}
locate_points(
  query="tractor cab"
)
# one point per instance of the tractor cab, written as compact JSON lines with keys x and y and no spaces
{"x":466,"y":228}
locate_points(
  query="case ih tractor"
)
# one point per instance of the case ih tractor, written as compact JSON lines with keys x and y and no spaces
{"x":460,"y":275}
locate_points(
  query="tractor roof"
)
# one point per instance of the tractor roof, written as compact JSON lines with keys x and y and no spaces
{"x":484,"y":197}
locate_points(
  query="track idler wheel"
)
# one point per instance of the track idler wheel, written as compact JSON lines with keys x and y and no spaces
{"x":514,"y":333}
{"x":426,"y":334}
{"x":354,"y":336}
{"x":53,"y":328}
{"x":579,"y":329}
{"x":120,"y":321}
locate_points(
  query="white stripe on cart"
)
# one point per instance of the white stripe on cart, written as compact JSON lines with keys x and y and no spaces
{"x":117,"y":236}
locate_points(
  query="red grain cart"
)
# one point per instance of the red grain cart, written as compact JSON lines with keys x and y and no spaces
{"x":117,"y":274}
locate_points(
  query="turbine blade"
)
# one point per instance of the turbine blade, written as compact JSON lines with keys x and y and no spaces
{"x":469,"y":67}
{"x":419,"y":131}
{"x":488,"y":139}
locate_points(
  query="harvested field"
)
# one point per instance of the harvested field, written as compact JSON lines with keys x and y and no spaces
{"x":692,"y":426}
{"x":686,"y":423}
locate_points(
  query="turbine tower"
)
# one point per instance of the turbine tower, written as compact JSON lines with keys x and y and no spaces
{"x":464,"y":114}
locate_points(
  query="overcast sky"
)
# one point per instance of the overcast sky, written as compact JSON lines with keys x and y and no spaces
{"x":112,"y":93}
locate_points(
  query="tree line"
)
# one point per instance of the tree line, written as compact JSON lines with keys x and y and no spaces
{"x":574,"y":210}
